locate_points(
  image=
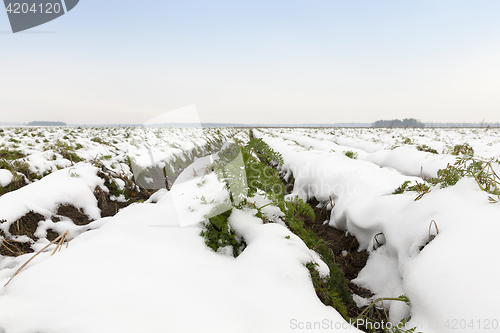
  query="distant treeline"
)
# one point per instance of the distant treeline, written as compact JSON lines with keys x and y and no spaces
{"x":46,"y":123}
{"x":407,"y":122}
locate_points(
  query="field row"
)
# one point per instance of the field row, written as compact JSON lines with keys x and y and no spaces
{"x":428,"y":219}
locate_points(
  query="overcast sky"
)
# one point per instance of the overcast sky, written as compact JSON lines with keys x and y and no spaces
{"x":123,"y":61}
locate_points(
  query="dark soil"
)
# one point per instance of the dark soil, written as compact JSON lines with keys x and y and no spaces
{"x":12,"y":248}
{"x":51,"y":235}
{"x":338,"y":241}
{"x":77,"y":216}
{"x":354,"y":261}
{"x":132,"y":192}
{"x":351,"y":263}
{"x":288,"y":184}
{"x":107,"y":207}
{"x":28,"y":224}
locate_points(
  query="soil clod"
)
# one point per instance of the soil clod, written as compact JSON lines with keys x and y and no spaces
{"x":77,"y":216}
{"x":26,"y":225}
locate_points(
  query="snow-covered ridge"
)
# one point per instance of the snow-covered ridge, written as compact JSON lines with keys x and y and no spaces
{"x":447,"y":274}
{"x":145,"y":270}
{"x":46,"y":150}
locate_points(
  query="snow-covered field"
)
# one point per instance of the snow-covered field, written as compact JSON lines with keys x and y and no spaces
{"x":141,"y":265}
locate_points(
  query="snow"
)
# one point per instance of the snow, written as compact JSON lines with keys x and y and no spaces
{"x":73,"y":186}
{"x":147,"y":269}
{"x":143,"y":271}
{"x":453,"y":277}
{"x":6,"y":177}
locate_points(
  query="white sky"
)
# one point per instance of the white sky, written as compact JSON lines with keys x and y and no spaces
{"x":256,"y":62}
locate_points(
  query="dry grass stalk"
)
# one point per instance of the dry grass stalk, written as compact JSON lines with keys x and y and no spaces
{"x":5,"y":244}
{"x":431,"y":237}
{"x":61,"y":239}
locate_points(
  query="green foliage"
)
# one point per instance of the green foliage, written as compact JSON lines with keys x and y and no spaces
{"x":420,"y":188}
{"x":5,"y":165}
{"x":332,"y":290}
{"x":11,"y":154}
{"x":259,"y":159}
{"x":351,"y":154}
{"x":465,"y":166}
{"x":65,"y":149}
{"x":399,"y":328}
{"x":15,"y":184}
{"x":218,"y":234}
{"x":427,"y":149}
{"x":406,"y":141}
{"x":265,"y":154}
{"x":13,"y":161}
{"x":448,"y":176}
{"x":464,"y":149}
{"x":401,"y":189}
{"x":114,"y":189}
{"x":70,"y":155}
{"x":326,"y":289}
{"x":255,"y":165}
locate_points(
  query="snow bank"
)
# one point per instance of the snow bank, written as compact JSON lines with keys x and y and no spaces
{"x":449,"y":275}
{"x":143,"y":272}
{"x":74,"y":186}
{"x":6,"y":177}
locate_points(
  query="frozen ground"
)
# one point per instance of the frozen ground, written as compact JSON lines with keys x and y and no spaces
{"x":449,"y":276}
{"x":147,"y":267}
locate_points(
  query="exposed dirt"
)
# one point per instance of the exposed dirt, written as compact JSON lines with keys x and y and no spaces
{"x":351,"y":261}
{"x":28,"y":224}
{"x":12,"y":248}
{"x":107,"y":207}
{"x":51,"y":235}
{"x":77,"y":216}
{"x":345,"y":248}
{"x":288,"y":184}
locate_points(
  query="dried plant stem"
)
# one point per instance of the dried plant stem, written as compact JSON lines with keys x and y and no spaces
{"x":431,"y":237}
{"x":5,"y":242}
{"x":61,"y":239}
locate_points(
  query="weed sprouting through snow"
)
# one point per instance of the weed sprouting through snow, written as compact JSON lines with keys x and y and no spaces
{"x":465,"y":166}
{"x":259,"y":161}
